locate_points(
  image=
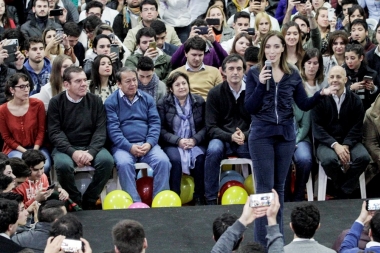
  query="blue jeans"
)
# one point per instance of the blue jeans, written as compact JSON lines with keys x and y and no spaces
{"x":65,"y":167}
{"x":176,"y":172}
{"x":16,"y":153}
{"x":125,"y":164}
{"x":216,"y":151}
{"x":271,"y":158}
{"x":303,"y":160}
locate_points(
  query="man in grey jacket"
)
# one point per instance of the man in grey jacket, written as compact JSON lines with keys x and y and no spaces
{"x":36,"y":26}
{"x":304,"y":223}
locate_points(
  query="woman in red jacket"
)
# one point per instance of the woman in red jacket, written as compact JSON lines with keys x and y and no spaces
{"x":5,"y":21}
{"x":22,"y":119}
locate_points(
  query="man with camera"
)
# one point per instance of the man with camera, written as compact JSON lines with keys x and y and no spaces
{"x":241,"y":24}
{"x":350,"y":242}
{"x":146,"y":46}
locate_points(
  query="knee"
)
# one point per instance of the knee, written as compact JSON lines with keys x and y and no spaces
{"x":105,"y":159}
{"x":63,"y":165}
{"x":330,"y":161}
{"x":215,"y":148}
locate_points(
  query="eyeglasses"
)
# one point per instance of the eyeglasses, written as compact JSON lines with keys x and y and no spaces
{"x":23,"y":86}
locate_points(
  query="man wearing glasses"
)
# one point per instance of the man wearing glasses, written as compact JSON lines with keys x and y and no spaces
{"x":106,"y":14}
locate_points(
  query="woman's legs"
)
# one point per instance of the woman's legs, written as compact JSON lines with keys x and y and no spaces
{"x":176,"y":170}
{"x":271,"y":159}
{"x":303,"y":159}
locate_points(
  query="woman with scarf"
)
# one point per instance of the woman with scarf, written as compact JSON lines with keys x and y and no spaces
{"x":183,"y":133}
{"x":102,"y":77}
{"x":361,"y":79}
{"x":148,"y":81}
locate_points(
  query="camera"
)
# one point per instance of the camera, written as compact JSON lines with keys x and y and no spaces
{"x":262,"y":199}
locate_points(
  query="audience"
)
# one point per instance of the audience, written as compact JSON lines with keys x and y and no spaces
{"x":127,"y":18}
{"x":35,"y":239}
{"x":106,"y":14}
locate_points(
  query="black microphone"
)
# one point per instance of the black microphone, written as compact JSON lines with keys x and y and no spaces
{"x":268,"y":65}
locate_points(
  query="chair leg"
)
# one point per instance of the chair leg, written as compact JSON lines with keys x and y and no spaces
{"x":322,"y":183}
{"x":309,"y":189}
{"x":363,"y":190}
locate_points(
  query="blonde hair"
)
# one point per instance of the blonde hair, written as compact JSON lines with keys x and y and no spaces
{"x":258,"y":18}
{"x":224,"y":22}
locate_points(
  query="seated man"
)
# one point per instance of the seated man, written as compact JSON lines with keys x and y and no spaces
{"x":214,"y":53}
{"x":9,"y":210}
{"x":35,"y":239}
{"x":350,"y":242}
{"x":73,"y":47}
{"x":227,"y":123}
{"x":160,"y":28}
{"x":337,"y":128}
{"x":149,"y":13}
{"x":37,"y":65}
{"x":162,"y":65}
{"x":148,"y":80}
{"x":311,"y":36}
{"x":77,"y":129}
{"x":359,"y":33}
{"x":202,"y":77}
{"x":133,"y":126}
{"x":235,"y":232}
{"x":34,"y":188}
{"x":304,"y":223}
{"x":23,"y":212}
{"x":20,"y":170}
{"x":129,"y":236}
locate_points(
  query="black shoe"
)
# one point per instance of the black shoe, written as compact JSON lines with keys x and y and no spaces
{"x":199,"y":202}
{"x":212,"y":202}
{"x":86,"y":205}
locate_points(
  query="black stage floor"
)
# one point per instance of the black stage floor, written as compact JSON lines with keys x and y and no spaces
{"x":189,"y":229}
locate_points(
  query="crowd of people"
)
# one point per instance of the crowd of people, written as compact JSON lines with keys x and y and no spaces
{"x":182,"y":85}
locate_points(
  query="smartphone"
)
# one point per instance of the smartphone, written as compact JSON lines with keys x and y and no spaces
{"x":373,"y":204}
{"x":251,"y":31}
{"x":11,"y":58}
{"x":153,"y":45}
{"x":331,"y":14}
{"x":202,"y":29}
{"x":111,"y":36}
{"x":56,"y":12}
{"x":213,"y":21}
{"x":12,"y":42}
{"x":50,"y":187}
{"x":59,"y":33}
{"x":69,"y":245}
{"x":263,"y":199}
{"x":367,"y":78}
{"x":10,"y":48}
{"x":115,"y":49}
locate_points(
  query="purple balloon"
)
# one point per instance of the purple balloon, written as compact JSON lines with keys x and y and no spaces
{"x":138,"y":205}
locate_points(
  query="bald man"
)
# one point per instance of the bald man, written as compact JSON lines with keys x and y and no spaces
{"x":337,"y":129}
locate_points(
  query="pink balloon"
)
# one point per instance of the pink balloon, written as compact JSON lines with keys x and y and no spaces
{"x":138,"y":205}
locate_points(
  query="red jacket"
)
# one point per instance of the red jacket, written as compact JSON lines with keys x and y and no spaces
{"x":28,"y":189}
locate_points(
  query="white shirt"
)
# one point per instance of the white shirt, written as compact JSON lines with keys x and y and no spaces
{"x":108,"y":15}
{"x":339,"y":102}
{"x":73,"y":100}
{"x":237,"y":94}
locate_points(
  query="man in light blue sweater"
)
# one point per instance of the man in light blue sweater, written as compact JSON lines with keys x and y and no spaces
{"x":304,"y":222}
{"x":133,"y":125}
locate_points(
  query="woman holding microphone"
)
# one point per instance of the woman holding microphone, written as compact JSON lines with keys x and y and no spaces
{"x":269,"y":97}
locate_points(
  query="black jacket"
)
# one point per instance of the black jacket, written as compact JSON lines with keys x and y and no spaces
{"x":5,"y":73}
{"x":31,"y":29}
{"x":167,"y":111}
{"x":345,"y":127}
{"x":224,"y":113}
{"x":353,"y":77}
{"x":9,"y":246}
{"x":119,"y":28}
{"x":170,"y":49}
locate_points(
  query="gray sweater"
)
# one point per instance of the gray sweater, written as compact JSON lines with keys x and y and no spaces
{"x":309,"y":246}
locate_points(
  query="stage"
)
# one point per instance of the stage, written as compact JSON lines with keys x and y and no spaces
{"x":189,"y":228}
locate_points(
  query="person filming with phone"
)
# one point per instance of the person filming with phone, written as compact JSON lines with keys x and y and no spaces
{"x":272,"y":86}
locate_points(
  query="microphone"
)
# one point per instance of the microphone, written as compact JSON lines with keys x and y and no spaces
{"x":268,"y":65}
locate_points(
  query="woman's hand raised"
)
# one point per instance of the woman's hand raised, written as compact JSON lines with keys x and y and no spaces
{"x":265,"y":75}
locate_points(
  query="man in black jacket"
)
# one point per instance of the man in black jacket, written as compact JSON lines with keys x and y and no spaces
{"x":227,"y":123}
{"x":337,"y":129}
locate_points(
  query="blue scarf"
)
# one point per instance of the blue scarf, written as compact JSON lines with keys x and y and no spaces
{"x":184,"y":128}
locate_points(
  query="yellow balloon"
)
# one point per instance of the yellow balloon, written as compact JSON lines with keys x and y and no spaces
{"x":234,"y":195}
{"x":249,"y":186}
{"x":117,"y":199}
{"x":166,"y":199}
{"x":187,"y":189}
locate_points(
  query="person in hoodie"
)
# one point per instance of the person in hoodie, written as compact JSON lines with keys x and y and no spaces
{"x":37,"y":65}
{"x":34,"y":188}
{"x":145,"y":37}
